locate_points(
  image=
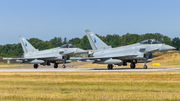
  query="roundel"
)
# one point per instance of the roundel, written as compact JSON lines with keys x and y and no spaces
{"x":95,"y":40}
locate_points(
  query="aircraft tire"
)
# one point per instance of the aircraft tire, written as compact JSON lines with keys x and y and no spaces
{"x":55,"y":65}
{"x":48,"y":63}
{"x":64,"y":66}
{"x":110,"y":66}
{"x":36,"y":66}
{"x":133,"y":65}
{"x":145,"y":67}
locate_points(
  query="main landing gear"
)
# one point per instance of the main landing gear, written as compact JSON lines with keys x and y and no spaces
{"x":36,"y":66}
{"x":110,"y":66}
{"x":55,"y":65}
{"x":133,"y":65}
{"x":63,"y":66}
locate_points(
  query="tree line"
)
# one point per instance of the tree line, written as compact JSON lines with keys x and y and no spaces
{"x":15,"y":50}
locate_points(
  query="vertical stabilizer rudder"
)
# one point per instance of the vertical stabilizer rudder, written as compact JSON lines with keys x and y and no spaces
{"x":95,"y":42}
{"x":27,"y":47}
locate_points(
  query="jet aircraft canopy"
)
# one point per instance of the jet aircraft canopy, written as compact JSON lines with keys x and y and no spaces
{"x":150,"y":41}
{"x":68,"y":46}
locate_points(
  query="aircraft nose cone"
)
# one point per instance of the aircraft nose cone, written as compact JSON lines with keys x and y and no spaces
{"x":167,"y":48}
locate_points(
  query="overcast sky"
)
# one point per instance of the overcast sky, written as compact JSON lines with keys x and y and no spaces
{"x":46,"y":19}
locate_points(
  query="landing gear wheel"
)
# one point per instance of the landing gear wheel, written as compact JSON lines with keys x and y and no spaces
{"x":48,"y":63}
{"x":145,"y":67}
{"x":133,"y":65}
{"x":64,"y":66}
{"x":36,"y":66}
{"x":55,"y":65}
{"x":110,"y":66}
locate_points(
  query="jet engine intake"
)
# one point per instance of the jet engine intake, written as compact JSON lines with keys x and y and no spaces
{"x":66,"y":57}
{"x":90,"y":55}
{"x":148,"y":56}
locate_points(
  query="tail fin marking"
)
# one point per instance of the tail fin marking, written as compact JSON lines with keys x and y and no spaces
{"x":27,"y":47}
{"x":95,"y":42}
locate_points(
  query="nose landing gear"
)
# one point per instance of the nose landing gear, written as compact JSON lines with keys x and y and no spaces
{"x":145,"y":66}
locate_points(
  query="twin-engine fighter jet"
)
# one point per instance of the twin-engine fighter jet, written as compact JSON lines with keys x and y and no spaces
{"x":45,"y":57}
{"x":135,"y":53}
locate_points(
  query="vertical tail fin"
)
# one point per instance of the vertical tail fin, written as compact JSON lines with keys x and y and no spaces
{"x":95,"y":42}
{"x":27,"y":47}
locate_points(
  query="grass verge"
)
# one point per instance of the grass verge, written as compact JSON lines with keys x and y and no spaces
{"x":2,"y":64}
{"x":89,"y":86}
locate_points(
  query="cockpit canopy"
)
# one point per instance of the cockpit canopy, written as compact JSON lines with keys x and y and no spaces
{"x":68,"y":46}
{"x":150,"y":41}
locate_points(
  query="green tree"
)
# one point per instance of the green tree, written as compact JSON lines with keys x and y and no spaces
{"x":34,"y":41}
{"x":113,"y":40}
{"x":176,"y":42}
{"x":44,"y":45}
{"x":65,"y":41}
{"x":166,"y":40}
{"x":15,"y":50}
{"x":85,"y":43}
{"x":75,"y":42}
{"x":56,"y":42}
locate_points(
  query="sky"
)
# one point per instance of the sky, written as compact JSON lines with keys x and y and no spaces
{"x":46,"y":19}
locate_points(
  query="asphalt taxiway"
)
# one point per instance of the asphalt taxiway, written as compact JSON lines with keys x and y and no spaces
{"x":29,"y":68}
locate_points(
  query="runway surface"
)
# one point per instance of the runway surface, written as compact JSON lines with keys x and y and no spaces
{"x":29,"y":68}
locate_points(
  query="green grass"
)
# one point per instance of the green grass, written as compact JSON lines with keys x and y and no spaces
{"x":90,"y":86}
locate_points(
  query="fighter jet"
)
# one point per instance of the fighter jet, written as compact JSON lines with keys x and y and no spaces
{"x":136,"y":53}
{"x":59,"y":55}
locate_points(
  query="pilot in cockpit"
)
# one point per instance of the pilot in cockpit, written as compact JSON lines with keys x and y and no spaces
{"x":150,"y":41}
{"x":68,"y":46}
